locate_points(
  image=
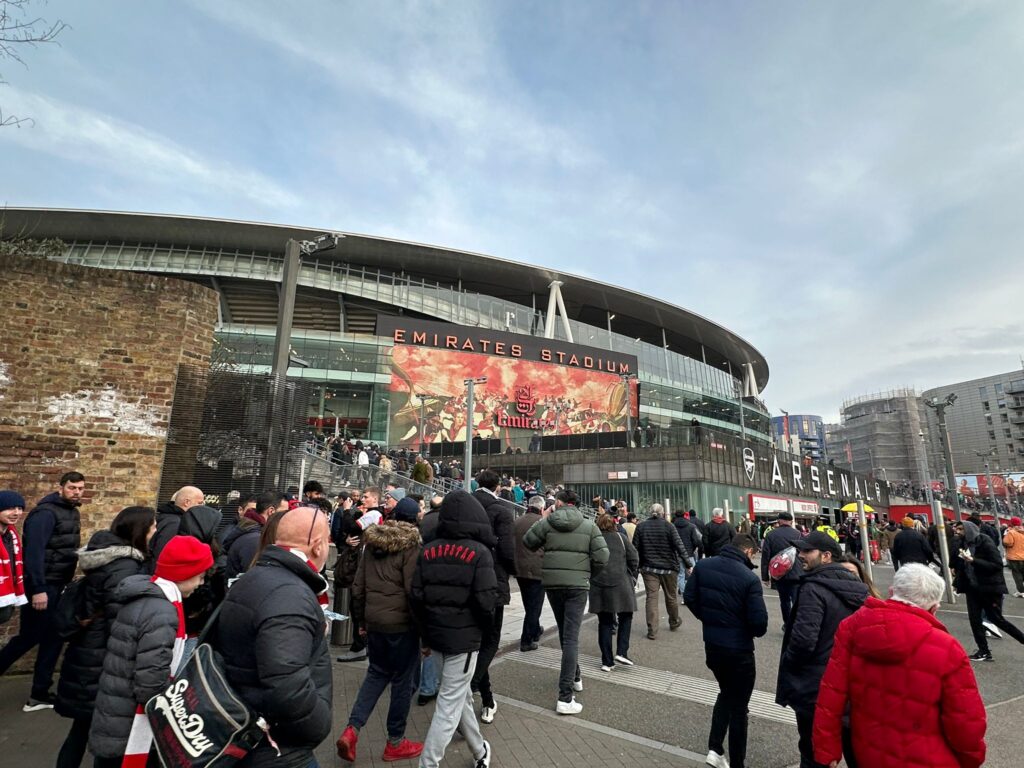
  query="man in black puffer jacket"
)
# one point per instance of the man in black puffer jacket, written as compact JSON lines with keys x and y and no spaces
{"x":911,"y":546}
{"x":242,"y":541}
{"x":662,"y":554}
{"x":499,"y":513}
{"x":52,"y":536}
{"x":828,"y":593}
{"x":454,"y":591}
{"x":272,"y":635}
{"x":724,"y":594}
{"x":168,"y":517}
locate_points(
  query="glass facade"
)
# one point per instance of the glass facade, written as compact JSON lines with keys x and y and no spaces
{"x":675,"y":388}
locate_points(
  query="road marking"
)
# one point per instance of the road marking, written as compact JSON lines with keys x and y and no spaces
{"x":762,"y":704}
{"x":599,"y":728}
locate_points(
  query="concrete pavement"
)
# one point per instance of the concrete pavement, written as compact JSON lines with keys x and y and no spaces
{"x":655,"y":714}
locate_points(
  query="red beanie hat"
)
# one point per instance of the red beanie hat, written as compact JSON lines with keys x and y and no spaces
{"x":182,"y":558}
{"x":1014,"y":521}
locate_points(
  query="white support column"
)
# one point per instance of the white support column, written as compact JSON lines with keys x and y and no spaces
{"x":549,"y":318}
{"x":561,"y":309}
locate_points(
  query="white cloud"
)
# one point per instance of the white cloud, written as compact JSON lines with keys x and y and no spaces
{"x":116,"y":146}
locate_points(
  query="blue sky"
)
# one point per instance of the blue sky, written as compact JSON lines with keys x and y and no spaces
{"x":840,"y":183}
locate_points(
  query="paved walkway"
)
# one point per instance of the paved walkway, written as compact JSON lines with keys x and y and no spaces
{"x":653,"y":715}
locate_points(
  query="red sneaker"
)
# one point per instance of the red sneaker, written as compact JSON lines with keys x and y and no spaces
{"x":405,"y":750}
{"x":347,"y":744}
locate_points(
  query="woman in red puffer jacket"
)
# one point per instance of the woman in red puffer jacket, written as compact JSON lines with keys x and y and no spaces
{"x":913,"y":700}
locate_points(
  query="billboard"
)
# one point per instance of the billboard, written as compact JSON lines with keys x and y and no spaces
{"x":534,"y":386}
{"x":1003,"y":485}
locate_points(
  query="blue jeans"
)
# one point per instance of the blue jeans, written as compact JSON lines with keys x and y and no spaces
{"x":681,"y":581}
{"x":430,"y":675}
{"x":393,"y":660}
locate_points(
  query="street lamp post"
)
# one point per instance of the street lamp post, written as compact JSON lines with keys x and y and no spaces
{"x":387,"y":422}
{"x":468,"y":459}
{"x":924,"y":468}
{"x":947,"y":448}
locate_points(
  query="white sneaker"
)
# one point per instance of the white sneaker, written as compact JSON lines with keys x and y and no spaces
{"x":485,"y":761}
{"x":568,"y":707}
{"x":607,"y":667}
{"x":992,"y":629}
{"x":577,"y":685}
{"x":717,"y":760}
{"x":487,"y":713}
{"x":624,"y":660}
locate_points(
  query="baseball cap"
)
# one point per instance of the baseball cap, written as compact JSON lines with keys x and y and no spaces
{"x":818,"y":540}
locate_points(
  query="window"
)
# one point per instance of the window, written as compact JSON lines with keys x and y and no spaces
{"x":991,"y":434}
{"x":999,"y":388}
{"x":983,"y":391}
{"x":984,"y":405}
{"x":1001,"y":403}
{"x":1004,"y":418}
{"x":1007,"y":433}
{"x":988,"y":419}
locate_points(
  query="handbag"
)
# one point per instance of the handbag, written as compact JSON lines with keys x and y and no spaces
{"x":198,"y":720}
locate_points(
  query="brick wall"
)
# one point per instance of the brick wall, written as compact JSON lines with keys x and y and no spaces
{"x":89,"y":359}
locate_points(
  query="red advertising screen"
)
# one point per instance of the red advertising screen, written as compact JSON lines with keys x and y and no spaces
{"x":520,"y":397}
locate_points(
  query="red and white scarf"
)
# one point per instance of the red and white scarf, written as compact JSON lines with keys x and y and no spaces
{"x":12,"y":576}
{"x":321,"y":596}
{"x":141,"y":737}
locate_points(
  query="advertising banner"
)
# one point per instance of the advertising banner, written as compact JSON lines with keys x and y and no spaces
{"x":534,"y":387}
{"x":1003,"y":485}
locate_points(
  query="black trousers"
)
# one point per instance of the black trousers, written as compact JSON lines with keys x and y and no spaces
{"x":991,"y":605}
{"x":488,"y":647}
{"x":805,"y":727}
{"x":73,"y":749}
{"x":735,"y":672}
{"x":36,"y":629}
{"x":532,"y":592}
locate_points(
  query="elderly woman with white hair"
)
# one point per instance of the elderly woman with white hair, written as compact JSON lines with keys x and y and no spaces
{"x":907,"y":684}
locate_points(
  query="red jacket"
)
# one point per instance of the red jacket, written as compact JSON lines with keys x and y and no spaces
{"x":913,"y":699}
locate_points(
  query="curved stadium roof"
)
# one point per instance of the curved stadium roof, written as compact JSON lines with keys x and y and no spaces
{"x":589,"y":301}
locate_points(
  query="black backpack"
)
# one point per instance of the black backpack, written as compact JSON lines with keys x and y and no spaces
{"x":69,"y":617}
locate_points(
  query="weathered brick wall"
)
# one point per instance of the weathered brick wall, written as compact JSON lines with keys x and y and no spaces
{"x":88,"y":365}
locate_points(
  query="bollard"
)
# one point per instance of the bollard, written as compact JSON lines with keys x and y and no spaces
{"x":341,"y":631}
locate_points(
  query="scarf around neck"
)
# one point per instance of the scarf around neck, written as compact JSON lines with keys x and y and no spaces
{"x":12,"y":576}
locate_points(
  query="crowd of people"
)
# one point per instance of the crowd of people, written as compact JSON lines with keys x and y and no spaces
{"x":428,"y":580}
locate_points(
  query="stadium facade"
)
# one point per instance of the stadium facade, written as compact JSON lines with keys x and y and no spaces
{"x":688,"y":366}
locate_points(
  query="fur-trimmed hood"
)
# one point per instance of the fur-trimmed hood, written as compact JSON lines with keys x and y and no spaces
{"x":104,"y":548}
{"x":390,"y":537}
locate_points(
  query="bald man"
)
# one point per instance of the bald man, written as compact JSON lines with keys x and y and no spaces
{"x":273,"y":637}
{"x":168,"y":518}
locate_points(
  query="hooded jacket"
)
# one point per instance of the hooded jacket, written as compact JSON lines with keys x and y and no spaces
{"x":985,"y":573}
{"x":271,"y":635}
{"x":688,"y":534}
{"x":454,"y":589}
{"x":380,"y":595}
{"x":889,"y":658}
{"x":240,"y":545}
{"x":51,"y":537}
{"x":910,"y":546}
{"x":168,"y":518}
{"x":202,"y":522}
{"x":825,"y":597}
{"x":726,"y":596}
{"x":573,"y":546}
{"x":503,"y":523}
{"x":107,"y":561}
{"x":719,"y":533}
{"x":137,"y":663}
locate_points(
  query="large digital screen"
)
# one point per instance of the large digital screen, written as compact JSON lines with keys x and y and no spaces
{"x":533,"y":386}
{"x":1003,"y":485}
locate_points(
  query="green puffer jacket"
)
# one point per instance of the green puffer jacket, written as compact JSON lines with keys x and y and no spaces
{"x":573,"y":546}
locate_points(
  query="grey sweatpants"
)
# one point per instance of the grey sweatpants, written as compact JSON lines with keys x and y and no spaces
{"x":453,"y":709}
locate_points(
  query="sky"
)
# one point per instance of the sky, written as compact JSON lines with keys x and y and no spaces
{"x":839,"y":183}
